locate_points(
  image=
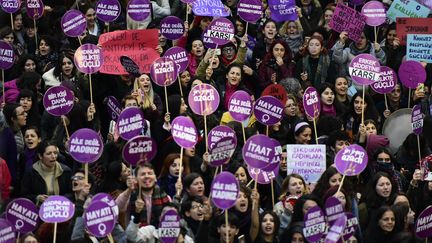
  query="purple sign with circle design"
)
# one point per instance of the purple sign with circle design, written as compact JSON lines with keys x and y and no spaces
{"x":261,"y":176}
{"x":113,"y":106}
{"x":179,"y":56}
{"x":333,"y":210}
{"x":314,"y":224}
{"x":130,"y":123}
{"x":221,"y":31}
{"x":172,"y":27}
{"x":208,"y":42}
{"x":88,"y":58}
{"x":58,"y":100}
{"x":23,"y":215}
{"x":99,"y":218}
{"x":203,"y":99}
{"x":35,"y":8}
{"x":250,"y":10}
{"x":169,"y":227}
{"x":219,"y":132}
{"x":7,"y":234}
{"x":56,"y":209}
{"x":387,"y":81}
{"x":108,"y":10}
{"x":336,"y":229}
{"x":240,"y":105}
{"x":411,"y":73}
{"x":375,"y":13}
{"x":163,"y":71}
{"x":107,"y":198}
{"x":10,"y":6}
{"x":7,"y":55}
{"x":85,"y":146}
{"x":351,"y":226}
{"x":130,"y":66}
{"x":268,"y":110}
{"x":73,"y":23}
{"x":423,"y":227}
{"x":417,"y":120}
{"x":224,"y":190}
{"x":139,"y":10}
{"x":365,"y":69}
{"x":184,"y":132}
{"x":140,"y":149}
{"x":259,"y":151}
{"x":312,"y":102}
{"x":351,"y":160}
{"x":222,"y":151}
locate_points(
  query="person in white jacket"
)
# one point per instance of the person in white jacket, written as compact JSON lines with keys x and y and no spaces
{"x":160,"y":9}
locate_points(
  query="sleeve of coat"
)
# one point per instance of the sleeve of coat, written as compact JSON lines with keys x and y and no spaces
{"x":340,"y":56}
{"x":162,"y":10}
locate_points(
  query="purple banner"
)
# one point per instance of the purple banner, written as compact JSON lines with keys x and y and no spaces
{"x":375,"y":13}
{"x":130,"y":66}
{"x":365,"y":69}
{"x":169,"y":227}
{"x":312,"y":102}
{"x":349,"y":20}
{"x":423,"y":226}
{"x":85,"y":146}
{"x":411,"y":73}
{"x":224,"y":190}
{"x":73,"y":23}
{"x":88,"y":58}
{"x":209,"y":8}
{"x":10,"y":6}
{"x":219,"y":132}
{"x":203,"y":99}
{"x":56,"y":209}
{"x":23,"y":215}
{"x":139,"y":10}
{"x":336,"y":230}
{"x":250,"y":10}
{"x":163,"y":71}
{"x":417,"y":119}
{"x":240,"y":105}
{"x":259,"y":151}
{"x":7,"y":55}
{"x":387,"y":81}
{"x":222,"y":151}
{"x":108,"y":10}
{"x":314,"y":224}
{"x":268,"y":110}
{"x":104,"y":197}
{"x":99,"y":218}
{"x":351,"y":160}
{"x":351,"y":226}
{"x":184,"y":132}
{"x":282,"y":10}
{"x":179,"y":56}
{"x":130,"y":122}
{"x":221,"y":31}
{"x":139,"y":149}
{"x":333,"y":209}
{"x":35,"y":8}
{"x":58,"y":100}
{"x":172,"y":27}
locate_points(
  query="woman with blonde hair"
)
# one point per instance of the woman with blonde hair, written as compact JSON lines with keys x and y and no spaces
{"x":145,"y":95}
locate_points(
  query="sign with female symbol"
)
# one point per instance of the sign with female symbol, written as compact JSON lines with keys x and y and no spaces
{"x":99,"y":218}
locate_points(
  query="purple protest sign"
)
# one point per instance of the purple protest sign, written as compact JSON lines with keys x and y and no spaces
{"x":262,"y":176}
{"x":251,"y":42}
{"x":23,"y":215}
{"x":58,"y":100}
{"x":56,"y":209}
{"x":209,"y":8}
{"x":364,"y":69}
{"x":333,"y":210}
{"x":179,"y":56}
{"x":219,"y":132}
{"x":240,"y":105}
{"x":208,"y":42}
{"x":10,"y":6}
{"x":224,"y":190}
{"x":163,"y":71}
{"x":130,"y":123}
{"x":113,"y":106}
{"x":417,"y":119}
{"x":375,"y":13}
{"x":172,"y":27}
{"x":348,"y":19}
{"x":7,"y":55}
{"x":88,"y":58}
{"x":222,"y":151}
{"x":250,"y":10}
{"x":411,"y":73}
{"x":73,"y":23}
{"x":184,"y":132}
{"x":35,"y":8}
{"x":336,"y":230}
{"x":203,"y":99}
{"x":312,"y":102}
{"x":314,"y":224}
{"x":387,"y":81}
{"x":169,"y":227}
{"x":351,"y":160}
{"x":268,"y":110}
{"x":107,"y":198}
{"x":282,"y":10}
{"x":140,"y":149}
{"x":108,"y":10}
{"x":221,"y":31}
{"x":7,"y":234}
{"x":99,"y":218}
{"x":139,"y":10}
{"x":130,"y":66}
{"x":258,"y":151}
{"x":351,"y":226}
{"x":85,"y":146}
{"x":423,"y":227}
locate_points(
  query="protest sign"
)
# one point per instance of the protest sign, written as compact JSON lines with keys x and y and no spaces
{"x":58,"y":100}
{"x":130,"y":123}
{"x":220,"y":31}
{"x":240,"y":105}
{"x":351,"y":226}
{"x":309,"y":161}
{"x":139,"y":10}
{"x":208,"y":42}
{"x":99,"y":218}
{"x":224,"y":190}
{"x":108,"y":10}
{"x":411,"y":73}
{"x":169,"y":226}
{"x":364,"y":69}
{"x":209,"y":8}
{"x":56,"y":209}
{"x":312,"y":102}
{"x":282,"y":10}
{"x":262,"y":176}
{"x":427,"y":3}
{"x":85,"y":145}
{"x":336,"y":230}
{"x":259,"y":151}
{"x":140,"y":149}
{"x":375,"y":13}
{"x":387,"y":81}
{"x":423,"y":226}
{"x":419,"y":47}
{"x":268,"y":110}
{"x":23,"y":215}
{"x":88,"y":58}
{"x":7,"y":234}
{"x":35,"y":8}
{"x":10,"y":6}
{"x":219,"y":132}
{"x":179,"y":56}
{"x":203,"y":99}
{"x":73,"y":23}
{"x":172,"y":27}
{"x":278,"y":91}
{"x":405,"y":26}
{"x":250,"y":10}
{"x":7,"y":55}
{"x":105,"y":197}
{"x":417,"y":120}
{"x":351,"y":160}
{"x":403,"y":8}
{"x":184,"y":132}
{"x":314,"y":224}
{"x":130,"y":66}
{"x":113,"y":107}
{"x":163,"y":71}
{"x":138,"y":45}
{"x":349,"y":20}
{"x":333,"y":210}
{"x":222,"y":150}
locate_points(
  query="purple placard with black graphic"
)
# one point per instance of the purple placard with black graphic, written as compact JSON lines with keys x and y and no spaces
{"x":23,"y":215}
{"x":375,"y":13}
{"x":73,"y":23}
{"x":10,"y":6}
{"x":333,"y":209}
{"x":351,"y":160}
{"x":172,"y":27}
{"x":99,"y":218}
{"x":268,"y":110}
{"x":258,"y":151}
{"x":113,"y":106}
{"x":163,"y":71}
{"x":56,"y":209}
{"x":140,"y":149}
{"x":184,"y":132}
{"x":336,"y":229}
{"x":222,"y":151}
{"x":203,"y":99}
{"x":365,"y":69}
{"x":240,"y":105}
{"x":282,"y":10}
{"x":130,"y":66}
{"x":417,"y":120}
{"x":219,"y":132}
{"x":221,"y":31}
{"x":58,"y":100}
{"x":205,"y":37}
{"x":387,"y":81}
{"x":7,"y":55}
{"x":314,"y":224}
{"x":423,"y":227}
{"x":411,"y":73}
{"x":169,"y":227}
{"x":7,"y":234}
{"x":105,"y":197}
{"x":130,"y":122}
{"x":312,"y":102}
{"x":108,"y":10}
{"x":351,"y":226}
{"x":35,"y":8}
{"x":262,"y":176}
{"x":250,"y":10}
{"x":179,"y":56}
{"x":85,"y":146}
{"x":139,"y":10}
{"x":88,"y":58}
{"x":224,"y":190}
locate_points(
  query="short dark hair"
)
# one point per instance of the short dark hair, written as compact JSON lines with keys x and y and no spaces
{"x":335,"y":136}
{"x":187,"y":204}
{"x":233,"y":220}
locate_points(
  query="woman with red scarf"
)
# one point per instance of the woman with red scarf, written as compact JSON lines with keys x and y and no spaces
{"x":232,"y":84}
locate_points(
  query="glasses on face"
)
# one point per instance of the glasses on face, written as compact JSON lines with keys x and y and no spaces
{"x":77,"y":178}
{"x":383,"y":159}
{"x":197,"y":206}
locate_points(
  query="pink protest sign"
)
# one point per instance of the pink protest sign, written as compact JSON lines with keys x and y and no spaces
{"x":411,"y":73}
{"x":375,"y":13}
{"x":349,"y":20}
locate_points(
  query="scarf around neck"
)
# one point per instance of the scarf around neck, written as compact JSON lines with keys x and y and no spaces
{"x":321,"y":70}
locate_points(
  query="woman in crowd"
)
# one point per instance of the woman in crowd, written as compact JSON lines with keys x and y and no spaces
{"x":170,"y":173}
{"x":382,"y":226}
{"x":47,"y":55}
